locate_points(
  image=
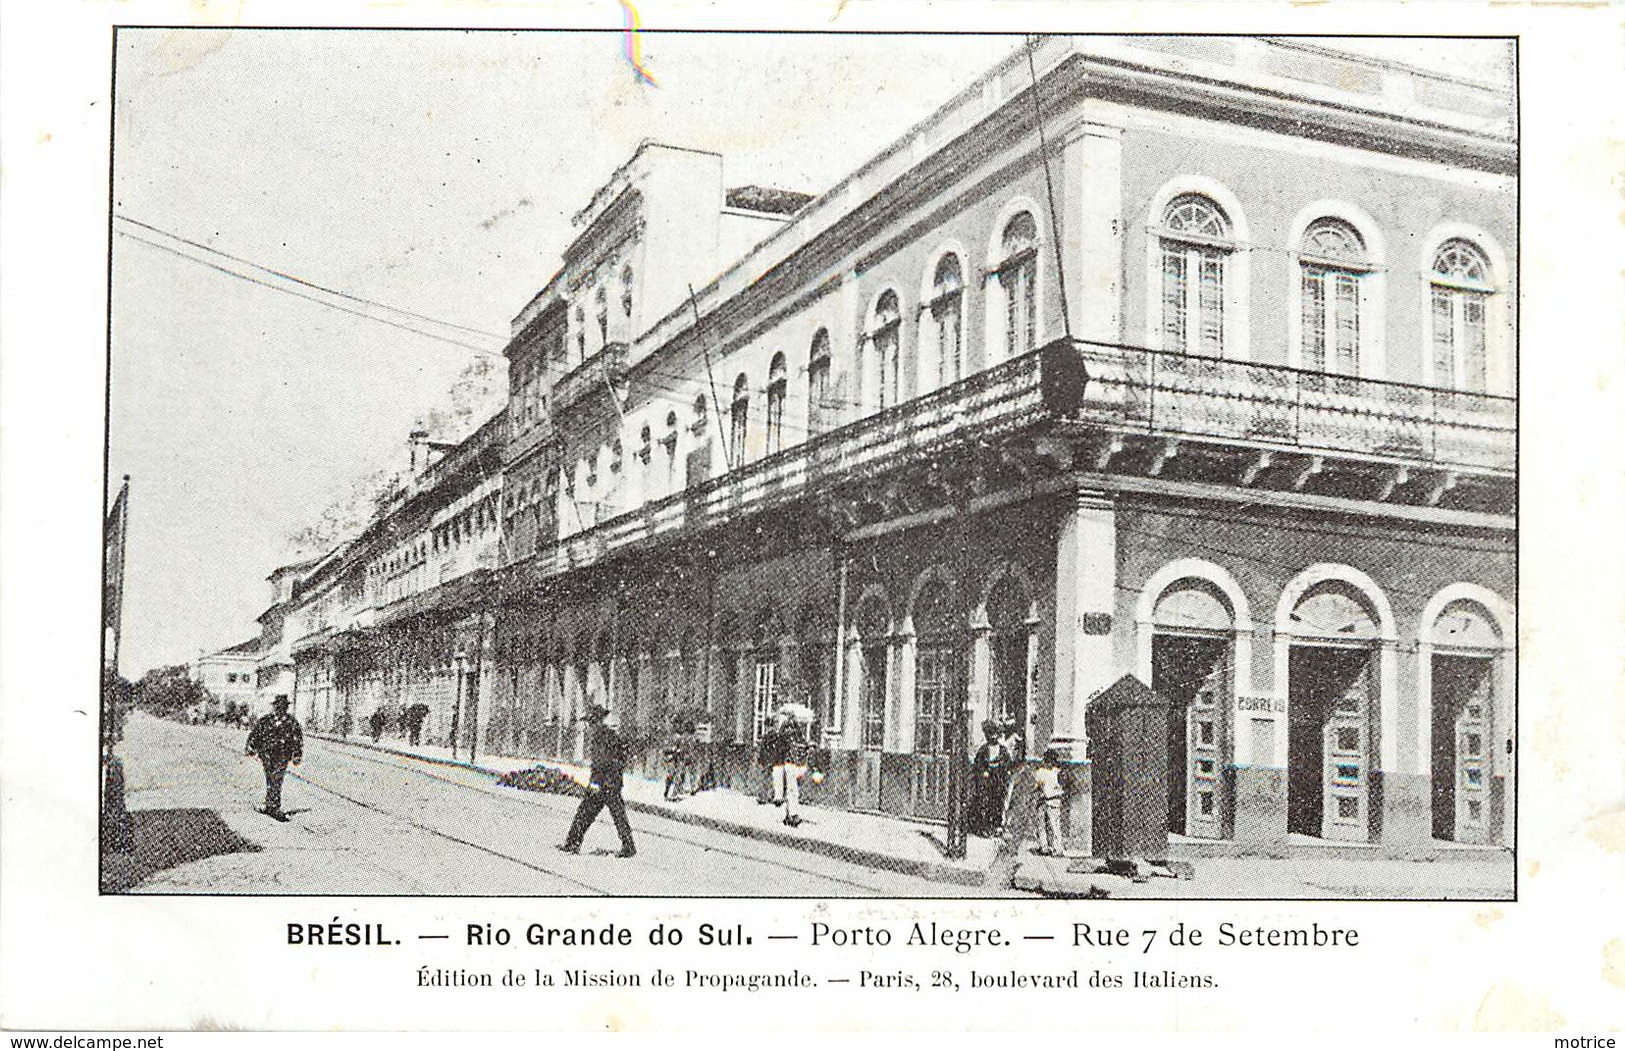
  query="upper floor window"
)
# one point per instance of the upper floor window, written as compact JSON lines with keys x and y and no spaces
{"x":1460,"y":286}
{"x":1195,"y":247}
{"x":700,"y":415}
{"x":818,"y":383}
{"x":601,"y":302}
{"x":1017,"y":275}
{"x":739,"y":419}
{"x":886,"y":336}
{"x":626,"y":292}
{"x":581,"y":334}
{"x":778,"y":383}
{"x":1333,"y":266}
{"x":668,"y":445}
{"x":947,"y":319}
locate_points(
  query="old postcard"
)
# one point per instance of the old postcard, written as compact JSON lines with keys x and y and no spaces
{"x":1024,"y":520}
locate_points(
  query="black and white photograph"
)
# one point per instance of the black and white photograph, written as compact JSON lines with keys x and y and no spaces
{"x":1090,"y":473}
{"x":899,"y":516}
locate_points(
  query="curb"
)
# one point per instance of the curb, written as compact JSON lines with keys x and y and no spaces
{"x":936,"y":871}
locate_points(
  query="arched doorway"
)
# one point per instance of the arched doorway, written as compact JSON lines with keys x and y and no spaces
{"x":870,"y":652}
{"x":1465,"y":646}
{"x":1193,"y":667}
{"x":939,"y":684}
{"x":1012,"y":629}
{"x":1332,"y":713}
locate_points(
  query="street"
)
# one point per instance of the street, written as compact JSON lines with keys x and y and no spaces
{"x":367,"y":822}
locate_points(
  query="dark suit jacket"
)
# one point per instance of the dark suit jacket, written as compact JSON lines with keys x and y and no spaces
{"x":608,"y":757}
{"x":277,"y":737}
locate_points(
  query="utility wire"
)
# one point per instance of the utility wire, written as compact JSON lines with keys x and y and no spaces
{"x":301,"y":295}
{"x":308,"y":284}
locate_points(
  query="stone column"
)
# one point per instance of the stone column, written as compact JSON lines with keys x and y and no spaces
{"x":1085,"y":594}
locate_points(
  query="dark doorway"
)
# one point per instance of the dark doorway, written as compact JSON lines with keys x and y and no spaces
{"x":1329,"y":707}
{"x":1192,"y":673}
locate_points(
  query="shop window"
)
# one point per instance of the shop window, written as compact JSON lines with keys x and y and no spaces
{"x":936,"y":662}
{"x":874,"y":680}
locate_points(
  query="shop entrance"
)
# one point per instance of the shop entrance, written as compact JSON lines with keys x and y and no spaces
{"x":1330,"y":706}
{"x":1192,"y":672}
{"x":1462,"y":689}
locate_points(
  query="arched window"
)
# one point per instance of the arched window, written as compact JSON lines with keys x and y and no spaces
{"x":739,"y":419}
{"x":1195,"y":246}
{"x":1461,"y":285}
{"x":601,"y":302}
{"x":668,"y":447}
{"x":947,"y":320}
{"x":778,"y":383}
{"x":818,"y":383}
{"x":886,"y":335}
{"x":1017,"y":274}
{"x":936,"y":668}
{"x":698,"y":426}
{"x":873,"y":624}
{"x":626,"y":292}
{"x":1332,"y":263}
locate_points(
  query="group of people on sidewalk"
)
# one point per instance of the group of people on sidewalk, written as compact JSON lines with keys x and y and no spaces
{"x":784,"y":753}
{"x":992,"y":768}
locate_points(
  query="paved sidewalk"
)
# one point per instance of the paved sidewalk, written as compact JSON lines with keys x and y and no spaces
{"x":1289,"y":871}
{"x":875,"y":840}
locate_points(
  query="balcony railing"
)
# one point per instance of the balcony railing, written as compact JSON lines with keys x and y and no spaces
{"x":1180,"y":395}
{"x":1128,"y":390}
{"x":595,"y":376}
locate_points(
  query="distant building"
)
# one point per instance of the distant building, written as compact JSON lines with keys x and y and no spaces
{"x":376,"y":625}
{"x":1255,"y":446}
{"x":228,"y":675}
{"x":274,"y":675}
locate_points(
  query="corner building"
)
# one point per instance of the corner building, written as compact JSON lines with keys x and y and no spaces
{"x":1255,"y":447}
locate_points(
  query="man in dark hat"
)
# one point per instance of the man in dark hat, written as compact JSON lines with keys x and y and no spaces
{"x":278,"y":741}
{"x":990,"y":772}
{"x":604,"y":789}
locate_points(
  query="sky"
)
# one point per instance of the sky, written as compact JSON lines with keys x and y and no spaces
{"x":435,"y":172}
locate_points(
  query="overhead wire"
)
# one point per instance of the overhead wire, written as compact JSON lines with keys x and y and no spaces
{"x":305,"y":296}
{"x":305,"y":281}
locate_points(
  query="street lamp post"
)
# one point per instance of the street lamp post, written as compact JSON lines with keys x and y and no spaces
{"x":461,"y":661}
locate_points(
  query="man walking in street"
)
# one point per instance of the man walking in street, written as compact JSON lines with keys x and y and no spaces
{"x":604,"y":787}
{"x":278,"y":741}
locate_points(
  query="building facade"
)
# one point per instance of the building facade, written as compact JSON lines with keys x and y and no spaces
{"x":228,"y":676}
{"x":1204,"y":376}
{"x":401,"y":615}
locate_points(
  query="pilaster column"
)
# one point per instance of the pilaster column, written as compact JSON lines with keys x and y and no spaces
{"x":1092,"y":234}
{"x":1085,"y":594}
